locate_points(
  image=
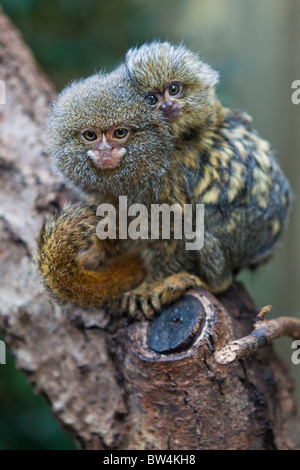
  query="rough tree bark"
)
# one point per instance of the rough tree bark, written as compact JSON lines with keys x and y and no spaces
{"x":104,"y":382}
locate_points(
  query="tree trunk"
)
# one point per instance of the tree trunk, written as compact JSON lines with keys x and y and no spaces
{"x":112,"y":383}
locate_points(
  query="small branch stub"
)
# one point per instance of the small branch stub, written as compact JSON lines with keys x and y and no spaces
{"x":262,"y":314}
{"x":263,"y":334}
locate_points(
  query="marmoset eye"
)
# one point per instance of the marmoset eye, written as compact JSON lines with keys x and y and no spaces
{"x":175,"y":89}
{"x":121,"y":133}
{"x":151,"y":99}
{"x":89,"y":135}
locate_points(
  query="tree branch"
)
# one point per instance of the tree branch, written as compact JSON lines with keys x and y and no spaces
{"x":264,"y":333}
{"x":112,"y":383}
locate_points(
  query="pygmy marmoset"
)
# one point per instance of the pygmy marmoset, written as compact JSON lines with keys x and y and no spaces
{"x":154,"y":131}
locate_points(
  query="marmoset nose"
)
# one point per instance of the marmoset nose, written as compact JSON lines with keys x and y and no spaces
{"x":104,"y":144}
{"x":170,"y":110}
{"x":167,"y":105}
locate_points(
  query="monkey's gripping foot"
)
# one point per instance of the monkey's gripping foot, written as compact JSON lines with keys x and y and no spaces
{"x":151,"y":295}
{"x":174,"y":286}
{"x":142,"y":298}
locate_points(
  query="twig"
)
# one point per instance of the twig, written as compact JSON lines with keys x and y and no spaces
{"x":263,"y":334}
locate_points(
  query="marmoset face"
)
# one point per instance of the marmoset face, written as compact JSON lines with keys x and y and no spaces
{"x":176,"y":82}
{"x":104,"y":136}
{"x":106,"y":146}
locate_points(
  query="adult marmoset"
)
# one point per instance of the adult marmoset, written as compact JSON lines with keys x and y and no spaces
{"x":225,"y":164}
{"x":108,"y":142}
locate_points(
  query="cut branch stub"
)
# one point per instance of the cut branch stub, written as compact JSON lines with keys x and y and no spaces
{"x":177,"y":326}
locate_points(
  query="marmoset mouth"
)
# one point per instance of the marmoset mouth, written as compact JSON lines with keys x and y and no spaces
{"x":108,"y":170}
{"x":105,"y":159}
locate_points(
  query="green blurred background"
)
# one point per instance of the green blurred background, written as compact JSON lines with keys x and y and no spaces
{"x":255,"y":45}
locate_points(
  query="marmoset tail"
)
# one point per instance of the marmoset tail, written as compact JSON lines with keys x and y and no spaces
{"x":77,"y":267}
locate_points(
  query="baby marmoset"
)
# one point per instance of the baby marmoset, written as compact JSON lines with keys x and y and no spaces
{"x":155,"y":132}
